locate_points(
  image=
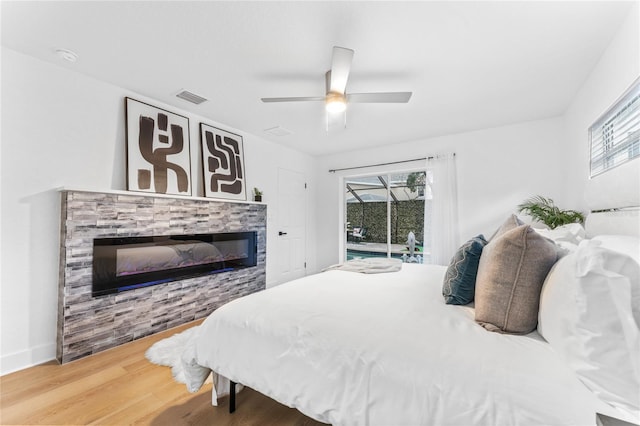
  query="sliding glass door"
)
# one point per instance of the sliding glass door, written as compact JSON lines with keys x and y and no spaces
{"x":385,"y":215}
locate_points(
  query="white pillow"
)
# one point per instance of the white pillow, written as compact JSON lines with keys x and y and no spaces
{"x":566,"y":236}
{"x":629,"y":246}
{"x":622,"y":244}
{"x":589,"y":313}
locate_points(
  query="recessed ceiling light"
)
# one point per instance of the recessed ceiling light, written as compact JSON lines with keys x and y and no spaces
{"x":67,"y":55}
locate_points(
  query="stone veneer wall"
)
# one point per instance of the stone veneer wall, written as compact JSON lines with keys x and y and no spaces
{"x":87,"y":324}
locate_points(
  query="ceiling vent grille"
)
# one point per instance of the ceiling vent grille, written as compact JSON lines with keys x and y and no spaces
{"x":191,"y":97}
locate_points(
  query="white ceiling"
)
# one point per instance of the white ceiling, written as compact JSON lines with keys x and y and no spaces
{"x":470,"y":65}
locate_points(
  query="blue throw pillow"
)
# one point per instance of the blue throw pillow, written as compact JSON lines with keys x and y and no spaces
{"x":459,"y":283}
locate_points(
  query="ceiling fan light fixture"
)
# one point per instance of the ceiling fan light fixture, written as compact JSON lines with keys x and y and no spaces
{"x":336,"y":102}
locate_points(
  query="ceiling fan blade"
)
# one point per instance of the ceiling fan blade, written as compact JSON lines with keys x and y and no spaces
{"x":300,"y":99}
{"x":340,"y":67}
{"x":382,"y":97}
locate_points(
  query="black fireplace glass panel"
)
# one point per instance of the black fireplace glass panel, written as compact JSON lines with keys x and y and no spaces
{"x":126,"y":263}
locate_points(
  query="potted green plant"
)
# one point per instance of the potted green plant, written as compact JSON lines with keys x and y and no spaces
{"x":544,"y":210}
{"x":257,"y":195}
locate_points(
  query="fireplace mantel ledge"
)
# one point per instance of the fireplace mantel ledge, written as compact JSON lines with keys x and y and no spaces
{"x":150,"y":194}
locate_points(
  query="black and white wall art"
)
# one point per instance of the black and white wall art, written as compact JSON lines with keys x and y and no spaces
{"x":223,"y":163}
{"x":158,"y":158}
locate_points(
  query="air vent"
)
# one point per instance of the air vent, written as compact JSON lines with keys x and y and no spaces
{"x":191,"y":97}
{"x":278,"y":131}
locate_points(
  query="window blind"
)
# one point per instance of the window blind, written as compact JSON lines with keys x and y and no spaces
{"x":615,"y":136}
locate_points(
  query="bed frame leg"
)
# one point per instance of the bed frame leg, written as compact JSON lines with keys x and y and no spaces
{"x":232,"y":396}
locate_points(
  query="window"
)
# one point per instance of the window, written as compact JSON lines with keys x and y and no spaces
{"x":615,"y":137}
{"x":380,"y":212}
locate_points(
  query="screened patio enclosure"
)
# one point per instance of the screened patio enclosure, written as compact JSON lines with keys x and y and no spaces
{"x":381,"y":211}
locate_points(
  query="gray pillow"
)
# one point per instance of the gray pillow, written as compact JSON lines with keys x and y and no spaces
{"x":511,"y":272}
{"x":512,"y":221}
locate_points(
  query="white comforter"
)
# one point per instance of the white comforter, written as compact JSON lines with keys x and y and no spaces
{"x":383,"y":349}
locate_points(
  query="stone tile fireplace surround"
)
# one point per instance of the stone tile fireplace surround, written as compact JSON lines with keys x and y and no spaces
{"x":87,"y":324}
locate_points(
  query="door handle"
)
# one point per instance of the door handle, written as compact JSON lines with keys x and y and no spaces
{"x":282,"y":233}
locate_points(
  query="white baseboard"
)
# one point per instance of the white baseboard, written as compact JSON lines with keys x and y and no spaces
{"x":24,"y":359}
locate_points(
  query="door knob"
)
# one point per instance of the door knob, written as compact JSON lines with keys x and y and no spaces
{"x":282,"y":233}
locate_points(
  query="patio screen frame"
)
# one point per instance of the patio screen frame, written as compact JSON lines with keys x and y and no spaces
{"x":387,"y":173}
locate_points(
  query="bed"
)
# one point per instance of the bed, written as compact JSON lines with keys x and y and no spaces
{"x":350,"y":348}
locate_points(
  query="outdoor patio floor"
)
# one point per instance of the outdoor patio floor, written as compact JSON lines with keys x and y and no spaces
{"x":378,"y":248}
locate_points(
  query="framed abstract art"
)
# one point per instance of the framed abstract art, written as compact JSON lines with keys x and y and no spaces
{"x":158,"y":155}
{"x":222,"y":164}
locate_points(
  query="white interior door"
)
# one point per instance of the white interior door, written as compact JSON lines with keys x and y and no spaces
{"x":291,"y":225}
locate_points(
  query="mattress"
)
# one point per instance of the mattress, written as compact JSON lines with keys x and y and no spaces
{"x":359,"y":349}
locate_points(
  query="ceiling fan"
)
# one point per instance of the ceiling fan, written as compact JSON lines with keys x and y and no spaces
{"x":336,"y":97}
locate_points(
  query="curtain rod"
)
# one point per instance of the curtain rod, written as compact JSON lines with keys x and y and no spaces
{"x":384,"y":164}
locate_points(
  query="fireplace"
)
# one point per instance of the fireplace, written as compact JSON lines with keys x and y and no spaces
{"x":121,"y":264}
{"x":88,"y":325}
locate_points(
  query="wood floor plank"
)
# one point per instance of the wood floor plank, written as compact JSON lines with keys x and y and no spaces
{"x":132,"y":412}
{"x":41,"y":405}
{"x":100,"y":401}
{"x":121,"y":387}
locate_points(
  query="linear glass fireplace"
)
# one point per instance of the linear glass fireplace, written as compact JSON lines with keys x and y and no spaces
{"x":121,"y":264}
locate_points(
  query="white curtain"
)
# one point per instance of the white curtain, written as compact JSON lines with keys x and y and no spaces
{"x":444,"y":215}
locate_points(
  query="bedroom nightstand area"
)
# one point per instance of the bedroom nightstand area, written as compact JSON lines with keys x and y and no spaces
{"x":602,"y":420}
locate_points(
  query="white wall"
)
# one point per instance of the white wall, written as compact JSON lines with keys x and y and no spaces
{"x":63,"y":129}
{"x":497,"y":169}
{"x":618,"y":67}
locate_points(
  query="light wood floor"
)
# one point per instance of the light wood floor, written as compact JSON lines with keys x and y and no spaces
{"x":119,"y":387}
